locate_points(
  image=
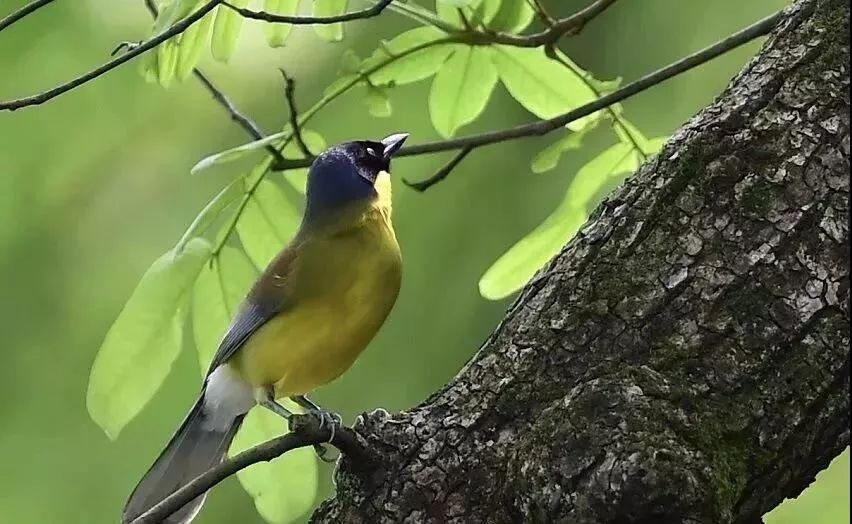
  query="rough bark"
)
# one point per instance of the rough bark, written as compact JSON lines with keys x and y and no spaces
{"x":684,"y":359}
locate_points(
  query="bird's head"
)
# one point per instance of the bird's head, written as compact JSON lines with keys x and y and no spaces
{"x":348,"y":173}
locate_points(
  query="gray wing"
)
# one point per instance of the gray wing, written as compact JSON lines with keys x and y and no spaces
{"x":251,"y":317}
{"x":267,"y":298}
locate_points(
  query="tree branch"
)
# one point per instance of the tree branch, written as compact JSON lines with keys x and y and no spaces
{"x":368,"y":12}
{"x":307,"y":432}
{"x":441,"y":174}
{"x":22,"y":12}
{"x":237,"y":116}
{"x":175,"y":30}
{"x":290,"y":97}
{"x":557,"y":29}
{"x":543,"y":127}
{"x":131,"y":53}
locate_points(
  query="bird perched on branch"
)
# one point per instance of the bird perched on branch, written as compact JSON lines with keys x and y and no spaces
{"x":307,"y":318}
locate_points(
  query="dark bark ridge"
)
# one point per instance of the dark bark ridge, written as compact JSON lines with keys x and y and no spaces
{"x":686,"y":357}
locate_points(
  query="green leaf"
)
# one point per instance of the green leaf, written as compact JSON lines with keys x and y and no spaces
{"x":159,"y":66}
{"x":548,"y":157}
{"x":629,"y":134}
{"x":211,"y":211}
{"x":378,"y":103}
{"x":588,"y":187}
{"x":350,"y":64}
{"x":513,"y":17}
{"x":475,"y":11}
{"x":239,"y":152}
{"x":284,"y":488}
{"x":143,"y":342}
{"x":226,"y":31}
{"x":276,"y":34}
{"x":267,"y":223}
{"x":219,"y":290}
{"x":340,"y":83}
{"x":167,"y":57}
{"x":329,"y":32}
{"x":461,"y":89}
{"x":414,"y":66}
{"x":542,"y":85}
{"x":440,"y":4}
{"x":485,"y":12}
{"x":236,"y":153}
{"x":171,"y":12}
{"x":192,"y":42}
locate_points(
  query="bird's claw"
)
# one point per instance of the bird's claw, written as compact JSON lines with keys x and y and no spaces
{"x":328,"y":420}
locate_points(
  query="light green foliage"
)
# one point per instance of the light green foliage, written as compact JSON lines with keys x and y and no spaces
{"x":329,"y":32}
{"x":513,"y":17}
{"x":276,"y":34}
{"x":590,"y":185}
{"x":267,"y":222}
{"x":192,"y":43}
{"x":548,"y":157}
{"x":409,"y":66}
{"x":475,"y":11}
{"x":236,"y":153}
{"x":542,"y":85}
{"x":226,"y":31}
{"x":159,"y":66}
{"x":143,"y":342}
{"x":286,"y":487}
{"x":455,"y":4}
{"x":211,"y":211}
{"x":378,"y":102}
{"x":461,"y":89}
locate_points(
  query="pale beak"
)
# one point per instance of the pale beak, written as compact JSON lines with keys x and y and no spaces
{"x":393,"y":144}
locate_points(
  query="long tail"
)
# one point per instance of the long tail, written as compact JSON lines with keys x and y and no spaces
{"x":198,"y":444}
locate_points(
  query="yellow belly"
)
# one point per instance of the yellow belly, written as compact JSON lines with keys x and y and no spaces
{"x":354,"y":284}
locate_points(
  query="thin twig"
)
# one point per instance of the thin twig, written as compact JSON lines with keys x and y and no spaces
{"x":542,"y":127}
{"x":22,"y":12}
{"x":308,"y":433}
{"x":557,"y":29}
{"x":552,"y":53}
{"x":442,"y":173}
{"x":132,"y":53}
{"x":236,"y":115}
{"x":369,"y":12}
{"x":222,"y":99}
{"x":290,"y":96}
{"x":542,"y":13}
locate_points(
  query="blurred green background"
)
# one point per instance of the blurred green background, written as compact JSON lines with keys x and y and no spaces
{"x":94,"y":186}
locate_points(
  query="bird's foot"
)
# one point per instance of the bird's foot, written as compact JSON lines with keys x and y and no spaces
{"x":326,"y":420}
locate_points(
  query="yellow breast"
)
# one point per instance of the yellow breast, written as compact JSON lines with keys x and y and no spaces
{"x":348,"y":283}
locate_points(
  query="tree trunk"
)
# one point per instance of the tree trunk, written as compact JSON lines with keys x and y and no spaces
{"x":686,"y":357}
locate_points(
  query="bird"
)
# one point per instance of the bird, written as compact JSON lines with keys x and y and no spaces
{"x":306,"y":319}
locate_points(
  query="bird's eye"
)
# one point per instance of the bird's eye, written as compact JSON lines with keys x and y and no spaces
{"x":371,"y":151}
